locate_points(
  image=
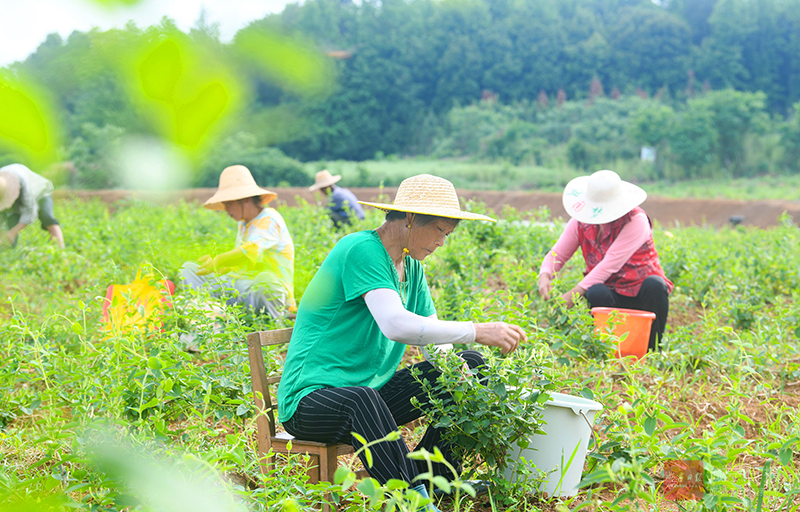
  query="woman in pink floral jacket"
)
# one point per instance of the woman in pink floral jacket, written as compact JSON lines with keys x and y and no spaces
{"x":615,"y":237}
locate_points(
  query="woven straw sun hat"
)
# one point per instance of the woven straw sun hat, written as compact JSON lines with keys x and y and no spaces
{"x":236,"y":183}
{"x":601,"y":198}
{"x":323,"y":179}
{"x":428,"y":195}
{"x":9,"y":189}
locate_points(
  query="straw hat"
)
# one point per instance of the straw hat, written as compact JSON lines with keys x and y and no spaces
{"x":428,"y":195}
{"x":235,"y":183}
{"x":323,"y":179}
{"x":601,"y":198}
{"x":9,"y":189}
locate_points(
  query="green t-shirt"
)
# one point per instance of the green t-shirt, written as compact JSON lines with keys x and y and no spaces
{"x":336,"y":342}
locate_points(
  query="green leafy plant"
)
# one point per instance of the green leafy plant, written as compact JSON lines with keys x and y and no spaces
{"x":487,"y":410}
{"x":721,"y":391}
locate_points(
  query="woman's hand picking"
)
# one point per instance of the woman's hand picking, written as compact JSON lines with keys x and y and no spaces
{"x":545,"y":285}
{"x":206,"y":265}
{"x":506,"y":337}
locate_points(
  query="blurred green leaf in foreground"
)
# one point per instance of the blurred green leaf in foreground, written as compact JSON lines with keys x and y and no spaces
{"x":177,"y":486}
{"x":181,"y":95}
{"x":27,"y":125}
{"x":115,"y":3}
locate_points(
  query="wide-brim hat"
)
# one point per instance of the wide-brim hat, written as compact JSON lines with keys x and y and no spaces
{"x":601,"y":198}
{"x":236,"y":183}
{"x":9,"y":189}
{"x":428,"y":195}
{"x":323,"y":179}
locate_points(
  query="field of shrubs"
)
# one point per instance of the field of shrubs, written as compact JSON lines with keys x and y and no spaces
{"x":162,"y":419}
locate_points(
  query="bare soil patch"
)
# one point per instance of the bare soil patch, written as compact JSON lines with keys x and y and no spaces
{"x":668,"y":212}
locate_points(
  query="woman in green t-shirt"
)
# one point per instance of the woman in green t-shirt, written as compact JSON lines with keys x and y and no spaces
{"x":366,"y":303}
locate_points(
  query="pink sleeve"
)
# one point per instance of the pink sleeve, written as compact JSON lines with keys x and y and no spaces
{"x":632,"y":236}
{"x":565,"y":247}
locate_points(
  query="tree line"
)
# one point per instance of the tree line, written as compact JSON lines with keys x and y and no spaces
{"x":412,"y":62}
{"x":709,"y":84}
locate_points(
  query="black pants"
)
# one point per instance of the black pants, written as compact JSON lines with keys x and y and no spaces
{"x":331,"y":414}
{"x":653,"y":297}
{"x":339,"y":220}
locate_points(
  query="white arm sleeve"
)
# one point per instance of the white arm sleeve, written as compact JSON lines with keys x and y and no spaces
{"x":429,"y":350}
{"x":398,"y":324}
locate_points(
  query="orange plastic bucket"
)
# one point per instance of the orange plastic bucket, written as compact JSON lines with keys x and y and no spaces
{"x":631,"y":321}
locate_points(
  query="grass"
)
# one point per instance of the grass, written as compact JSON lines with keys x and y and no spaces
{"x":472,"y":175}
{"x":82,"y":411}
{"x":770,"y":187}
{"x":463,"y":173}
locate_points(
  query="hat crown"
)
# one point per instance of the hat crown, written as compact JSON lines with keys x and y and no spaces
{"x":601,"y":198}
{"x":427,"y":191}
{"x":235,"y":183}
{"x":236,"y":176}
{"x":324,"y":179}
{"x":323,"y":175}
{"x":426,"y":194}
{"x":603,"y":185}
{"x":9,"y":189}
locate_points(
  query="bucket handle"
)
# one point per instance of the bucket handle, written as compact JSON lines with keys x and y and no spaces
{"x":591,"y":431}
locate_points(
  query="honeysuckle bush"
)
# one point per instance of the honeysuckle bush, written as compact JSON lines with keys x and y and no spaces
{"x":486,"y":411}
{"x":723,"y":390}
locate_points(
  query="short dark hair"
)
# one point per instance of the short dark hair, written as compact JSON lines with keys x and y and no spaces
{"x":419,"y":218}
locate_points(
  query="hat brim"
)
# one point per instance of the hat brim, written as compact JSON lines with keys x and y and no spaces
{"x":236,"y":193}
{"x":449,"y":213}
{"x":12,"y":190}
{"x":325,"y":183}
{"x":589,"y":212}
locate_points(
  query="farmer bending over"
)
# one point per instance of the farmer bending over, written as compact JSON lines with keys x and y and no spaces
{"x":24,"y":197}
{"x":342,"y":204}
{"x":259,"y":271}
{"x":367,"y":302}
{"x":614,"y":234}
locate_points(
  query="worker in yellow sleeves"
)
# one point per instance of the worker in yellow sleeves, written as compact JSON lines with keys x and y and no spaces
{"x":259,"y":270}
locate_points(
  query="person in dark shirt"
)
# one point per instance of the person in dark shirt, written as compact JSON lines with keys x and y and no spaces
{"x":342,"y":204}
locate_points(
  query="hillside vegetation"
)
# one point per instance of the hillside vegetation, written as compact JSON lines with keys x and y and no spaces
{"x":709,"y":87}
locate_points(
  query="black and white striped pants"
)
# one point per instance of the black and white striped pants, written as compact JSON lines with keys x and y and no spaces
{"x":331,"y":414}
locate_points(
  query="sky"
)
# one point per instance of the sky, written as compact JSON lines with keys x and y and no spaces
{"x":25,"y":24}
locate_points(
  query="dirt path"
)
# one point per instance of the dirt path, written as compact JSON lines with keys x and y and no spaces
{"x":667,"y":211}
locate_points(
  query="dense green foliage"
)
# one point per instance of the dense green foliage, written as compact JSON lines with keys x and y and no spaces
{"x":722,"y":391}
{"x":413,"y":61}
{"x":706,"y":134}
{"x":569,"y":86}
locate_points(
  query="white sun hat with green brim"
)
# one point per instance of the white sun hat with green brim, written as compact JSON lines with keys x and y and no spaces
{"x":428,"y":195}
{"x":601,"y":198}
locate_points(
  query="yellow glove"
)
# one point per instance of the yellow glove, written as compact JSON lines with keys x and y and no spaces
{"x":206,"y":265}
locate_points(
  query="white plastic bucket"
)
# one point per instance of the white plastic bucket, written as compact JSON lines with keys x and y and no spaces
{"x":562,"y":452}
